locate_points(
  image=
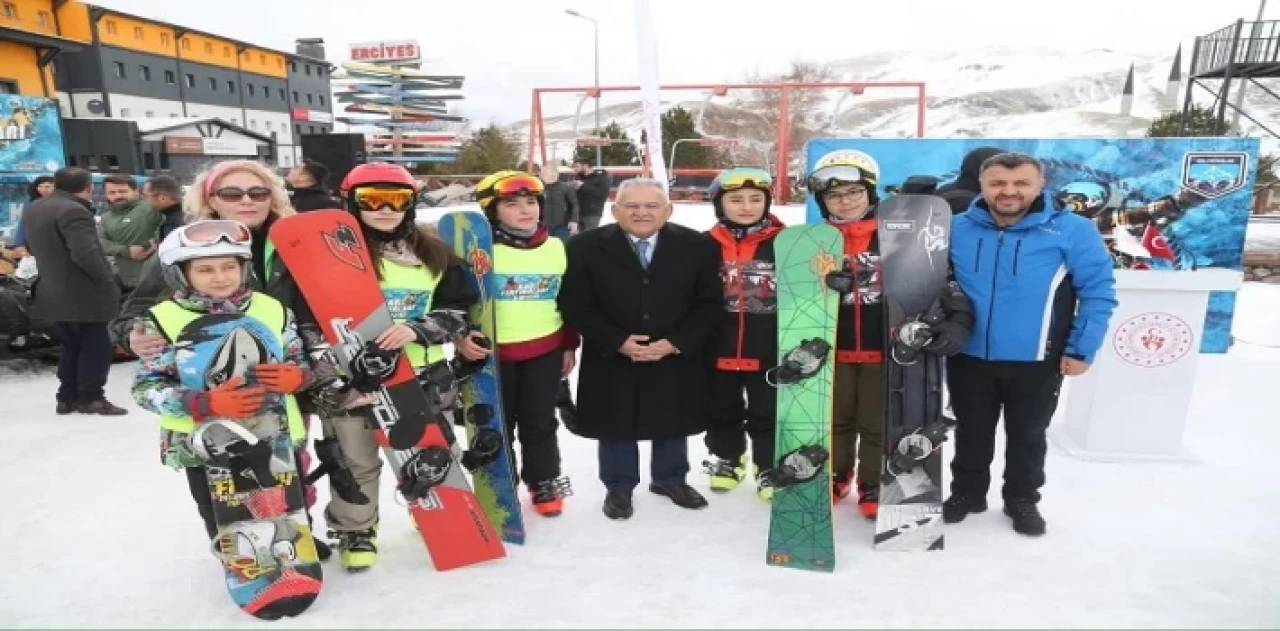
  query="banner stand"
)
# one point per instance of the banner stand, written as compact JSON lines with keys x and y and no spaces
{"x":1133,"y":403}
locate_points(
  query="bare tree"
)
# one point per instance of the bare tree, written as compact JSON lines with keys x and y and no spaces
{"x":756,"y":113}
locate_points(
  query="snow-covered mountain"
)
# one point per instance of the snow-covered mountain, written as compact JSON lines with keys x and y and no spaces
{"x":991,"y":92}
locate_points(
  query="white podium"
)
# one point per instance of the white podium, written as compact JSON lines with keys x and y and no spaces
{"x":1133,"y":402}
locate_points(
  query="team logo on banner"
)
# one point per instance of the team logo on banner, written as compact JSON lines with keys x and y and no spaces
{"x":1153,"y":339}
{"x":1212,"y":174}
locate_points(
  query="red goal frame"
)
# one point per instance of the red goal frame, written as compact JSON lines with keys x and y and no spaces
{"x":538,"y":138}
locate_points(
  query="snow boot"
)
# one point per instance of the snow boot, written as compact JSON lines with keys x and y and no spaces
{"x":764,"y":485}
{"x":958,"y":506}
{"x":357,"y":549}
{"x":725,"y":475}
{"x":548,"y":496}
{"x":1026,"y":517}
{"x":868,"y":500}
{"x":841,"y":485}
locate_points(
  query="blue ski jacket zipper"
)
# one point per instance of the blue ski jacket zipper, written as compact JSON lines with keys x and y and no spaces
{"x":995,"y":277}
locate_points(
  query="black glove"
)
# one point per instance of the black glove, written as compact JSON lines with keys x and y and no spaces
{"x":947,"y":339}
{"x":842,"y":282}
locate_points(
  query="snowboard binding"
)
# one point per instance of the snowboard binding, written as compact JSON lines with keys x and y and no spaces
{"x":799,"y":363}
{"x":238,"y":450}
{"x":795,"y":467}
{"x":485,"y":447}
{"x":333,"y":463}
{"x":916,"y":446}
{"x":371,"y":366}
{"x":423,"y":471}
{"x":913,"y":335}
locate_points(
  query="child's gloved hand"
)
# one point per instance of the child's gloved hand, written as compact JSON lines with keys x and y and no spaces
{"x":231,"y":400}
{"x":279,"y":378}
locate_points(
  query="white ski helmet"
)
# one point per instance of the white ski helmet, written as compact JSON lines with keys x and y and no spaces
{"x":201,"y":240}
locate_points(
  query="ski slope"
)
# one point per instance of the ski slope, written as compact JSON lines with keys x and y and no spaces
{"x":99,"y":534}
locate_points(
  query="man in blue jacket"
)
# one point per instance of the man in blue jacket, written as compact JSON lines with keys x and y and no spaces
{"x":1043,"y":291}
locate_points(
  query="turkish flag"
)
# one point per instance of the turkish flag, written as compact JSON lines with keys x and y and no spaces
{"x":1156,"y":244}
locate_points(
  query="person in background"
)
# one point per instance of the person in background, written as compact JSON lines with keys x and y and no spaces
{"x":593,"y":191}
{"x":307,"y":190}
{"x":127,"y":229}
{"x":560,"y":216}
{"x":959,"y":193}
{"x":1043,"y":291}
{"x":646,"y":297}
{"x":39,"y":188}
{"x":76,"y":290}
{"x":164,"y":195}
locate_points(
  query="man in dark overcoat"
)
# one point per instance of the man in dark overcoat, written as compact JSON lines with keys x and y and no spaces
{"x":646,"y":297}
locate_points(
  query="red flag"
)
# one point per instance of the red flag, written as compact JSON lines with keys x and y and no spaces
{"x":1156,"y":244}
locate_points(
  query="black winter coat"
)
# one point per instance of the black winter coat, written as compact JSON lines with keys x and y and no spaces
{"x":313,"y":198}
{"x":593,"y":193}
{"x":607,"y":296}
{"x":76,"y":283}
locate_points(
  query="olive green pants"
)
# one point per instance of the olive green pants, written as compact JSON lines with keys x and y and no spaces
{"x":857,"y":433}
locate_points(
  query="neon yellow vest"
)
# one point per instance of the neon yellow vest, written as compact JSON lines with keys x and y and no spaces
{"x":527,"y":283}
{"x":409,"y":292}
{"x":173,"y":321}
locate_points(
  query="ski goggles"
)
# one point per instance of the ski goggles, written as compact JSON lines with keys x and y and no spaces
{"x":745,"y":178}
{"x":371,"y":198}
{"x":232,"y":194}
{"x":826,"y":178}
{"x":515,"y":185}
{"x":211,"y":231}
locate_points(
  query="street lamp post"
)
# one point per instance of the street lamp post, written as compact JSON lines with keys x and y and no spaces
{"x":595,"y":28}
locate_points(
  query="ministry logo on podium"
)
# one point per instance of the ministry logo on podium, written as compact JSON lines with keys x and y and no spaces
{"x":1213,"y":174}
{"x":1153,"y":339}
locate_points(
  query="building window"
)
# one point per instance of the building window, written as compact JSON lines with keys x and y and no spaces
{"x":307,"y":68}
{"x":226,"y":52}
{"x":253,"y":124}
{"x":43,"y":18}
{"x":137,"y":33}
{"x":124,"y":112}
{"x":170,"y":77}
{"x":173,"y":115}
{"x":310,"y":101}
{"x":191,"y":80}
{"x":8,"y":87}
{"x":279,"y":62}
{"x":208,"y":48}
{"x":311,"y":129}
{"x":164,"y":159}
{"x":251,"y":88}
{"x":111,"y":161}
{"x":268,"y":125}
{"x":144,"y":72}
{"x":213,"y":84}
{"x":262,"y":59}
{"x":231,"y":86}
{"x":321,"y":97}
{"x":186,"y":44}
{"x":282,"y":96}
{"x":298,"y":129}
{"x":10,"y":11}
{"x":151,"y":114}
{"x":293,"y":66}
{"x":164,"y":39}
{"x":235,"y":121}
{"x":295,"y":96}
{"x":266,"y":91}
{"x":117,"y":69}
{"x":149,"y":161}
{"x":111,"y":27}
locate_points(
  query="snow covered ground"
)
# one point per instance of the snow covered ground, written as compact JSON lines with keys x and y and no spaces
{"x":100,"y":534}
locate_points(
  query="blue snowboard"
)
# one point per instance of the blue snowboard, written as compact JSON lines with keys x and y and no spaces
{"x":471,"y":238}
{"x":264,"y":539}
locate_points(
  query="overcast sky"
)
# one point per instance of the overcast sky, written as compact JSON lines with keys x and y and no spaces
{"x":507,"y":47}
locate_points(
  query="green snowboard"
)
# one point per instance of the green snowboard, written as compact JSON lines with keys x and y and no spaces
{"x":800,"y":526}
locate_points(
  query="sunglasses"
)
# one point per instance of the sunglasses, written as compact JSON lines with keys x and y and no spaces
{"x":744,"y":178}
{"x":518,"y":185}
{"x":235,"y":194}
{"x":371,"y":198}
{"x":829,"y":177}
{"x":211,"y":231}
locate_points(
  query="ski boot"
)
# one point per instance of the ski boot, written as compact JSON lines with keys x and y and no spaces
{"x":548,"y":496}
{"x":357,"y":549}
{"x":841,"y":485}
{"x":764,"y":484}
{"x":868,"y":500}
{"x":725,"y":475}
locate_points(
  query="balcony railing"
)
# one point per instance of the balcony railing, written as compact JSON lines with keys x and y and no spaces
{"x":1241,"y":43}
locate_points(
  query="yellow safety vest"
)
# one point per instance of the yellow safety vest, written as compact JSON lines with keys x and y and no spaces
{"x":173,"y":321}
{"x":526,"y":284}
{"x":409,"y":291}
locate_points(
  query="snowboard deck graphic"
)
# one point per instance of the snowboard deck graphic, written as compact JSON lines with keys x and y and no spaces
{"x":914,"y":233}
{"x":329,"y":260}
{"x":471,"y":238}
{"x":800,"y":534}
{"x":264,"y":539}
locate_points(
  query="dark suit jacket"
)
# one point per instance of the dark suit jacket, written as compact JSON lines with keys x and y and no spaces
{"x":76,"y":283}
{"x":607,"y":296}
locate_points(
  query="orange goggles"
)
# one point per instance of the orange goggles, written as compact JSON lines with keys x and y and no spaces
{"x":518,"y":185}
{"x":371,"y":198}
{"x":744,"y":178}
{"x":211,"y":231}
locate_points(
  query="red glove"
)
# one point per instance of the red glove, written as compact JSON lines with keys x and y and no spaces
{"x":279,"y":378}
{"x":231,"y":400}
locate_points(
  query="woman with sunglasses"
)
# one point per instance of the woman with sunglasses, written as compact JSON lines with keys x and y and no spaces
{"x":426,"y":289}
{"x":535,"y":347}
{"x":748,"y":345}
{"x":206,"y":265}
{"x":248,"y":192}
{"x":843,"y":184}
